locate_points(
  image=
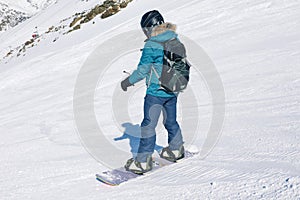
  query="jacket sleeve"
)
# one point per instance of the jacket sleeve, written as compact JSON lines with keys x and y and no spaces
{"x":144,"y":65}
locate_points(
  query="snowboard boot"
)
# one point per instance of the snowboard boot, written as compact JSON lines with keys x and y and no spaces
{"x":139,"y":167}
{"x":172,"y":155}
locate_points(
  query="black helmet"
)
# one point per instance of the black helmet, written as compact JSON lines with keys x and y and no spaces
{"x":150,"y":20}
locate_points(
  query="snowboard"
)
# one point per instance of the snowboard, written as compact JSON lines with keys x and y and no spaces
{"x":120,"y":175}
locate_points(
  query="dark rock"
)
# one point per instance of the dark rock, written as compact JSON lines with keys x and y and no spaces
{"x":29,"y":42}
{"x":75,"y":20}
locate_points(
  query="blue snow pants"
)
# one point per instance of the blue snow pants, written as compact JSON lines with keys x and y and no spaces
{"x":153,"y":106}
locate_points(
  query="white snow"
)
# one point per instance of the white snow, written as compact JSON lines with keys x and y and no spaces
{"x":255,"y":47}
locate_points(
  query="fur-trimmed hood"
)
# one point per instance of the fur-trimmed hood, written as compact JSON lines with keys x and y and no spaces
{"x":163,"y":28}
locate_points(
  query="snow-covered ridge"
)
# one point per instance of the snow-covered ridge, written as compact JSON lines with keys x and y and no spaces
{"x":28,"y":6}
{"x":14,"y":12}
{"x":10,"y":17}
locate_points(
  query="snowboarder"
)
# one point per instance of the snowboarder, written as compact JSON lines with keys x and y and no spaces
{"x":35,"y":33}
{"x":156,"y":100}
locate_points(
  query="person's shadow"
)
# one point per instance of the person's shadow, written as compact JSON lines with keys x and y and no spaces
{"x":133,"y":133}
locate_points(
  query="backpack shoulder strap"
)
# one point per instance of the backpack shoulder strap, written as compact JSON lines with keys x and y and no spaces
{"x":155,"y":72}
{"x":163,"y":44}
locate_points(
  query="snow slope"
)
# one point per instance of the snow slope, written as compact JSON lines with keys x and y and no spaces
{"x":255,"y":47}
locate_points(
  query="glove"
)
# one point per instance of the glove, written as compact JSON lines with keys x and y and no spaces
{"x":125,"y":84}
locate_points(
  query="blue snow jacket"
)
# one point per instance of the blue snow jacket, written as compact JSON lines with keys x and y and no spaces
{"x":152,"y":56}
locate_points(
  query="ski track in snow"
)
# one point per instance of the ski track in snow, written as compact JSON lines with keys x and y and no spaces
{"x":255,"y":47}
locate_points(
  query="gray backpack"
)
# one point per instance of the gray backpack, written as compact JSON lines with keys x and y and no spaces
{"x":176,"y":68}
